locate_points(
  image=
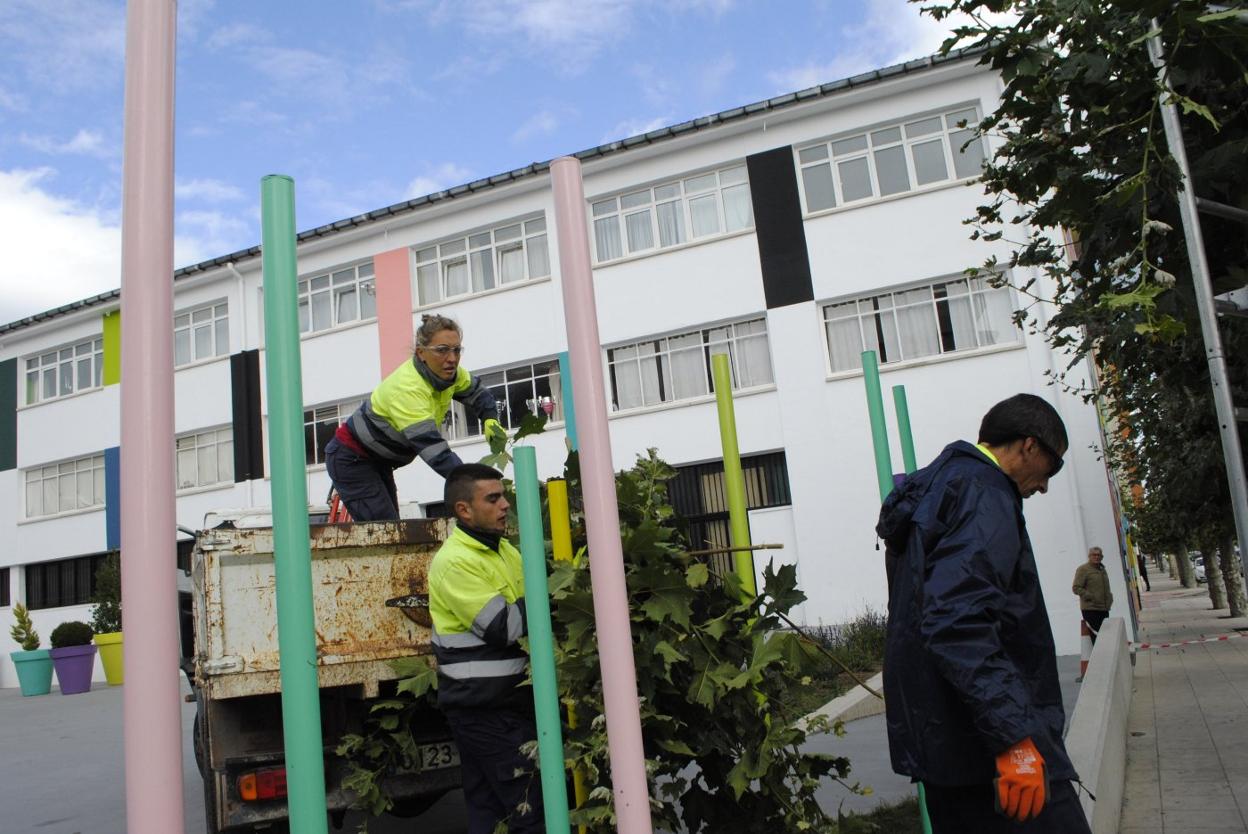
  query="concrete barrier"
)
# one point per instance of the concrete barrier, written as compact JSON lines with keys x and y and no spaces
{"x":854,"y":704}
{"x":1097,"y":737}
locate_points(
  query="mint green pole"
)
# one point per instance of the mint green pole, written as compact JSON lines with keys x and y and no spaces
{"x":734,"y":479}
{"x":903,"y":428}
{"x":879,"y":429}
{"x":296,"y":621}
{"x":541,"y":642}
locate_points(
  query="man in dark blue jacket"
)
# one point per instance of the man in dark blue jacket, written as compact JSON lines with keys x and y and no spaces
{"x":970,"y":675}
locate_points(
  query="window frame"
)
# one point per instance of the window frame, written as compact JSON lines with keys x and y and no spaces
{"x":45,"y":581}
{"x":95,"y":466}
{"x":950,"y":143}
{"x":599,"y":211}
{"x":942,"y":321}
{"x":218,"y":314}
{"x":218,"y":433}
{"x":458,"y":421}
{"x":661,"y":346}
{"x":362,"y":284}
{"x":343,"y":409}
{"x":94,"y":353}
{"x":469,"y":248}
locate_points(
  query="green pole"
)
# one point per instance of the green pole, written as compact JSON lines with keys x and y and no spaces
{"x":903,"y":428}
{"x":879,"y":429}
{"x":296,"y":621}
{"x":734,"y":480}
{"x":541,"y":642}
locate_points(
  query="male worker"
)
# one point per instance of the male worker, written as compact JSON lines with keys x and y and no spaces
{"x":970,"y":679}
{"x":476,"y":601}
{"x":1092,"y":586}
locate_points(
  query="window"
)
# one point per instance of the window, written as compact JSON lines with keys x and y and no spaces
{"x":531,"y":388}
{"x":63,"y":487}
{"x":891,"y":160}
{"x":63,"y":582}
{"x":482,"y":261}
{"x":337,"y":297}
{"x":672,"y":213}
{"x":201,"y":333}
{"x":65,"y":370}
{"x":923,"y":321}
{"x":5,"y":599}
{"x":699,"y":498}
{"x":319,"y":425}
{"x":679,"y":367}
{"x":205,"y":458}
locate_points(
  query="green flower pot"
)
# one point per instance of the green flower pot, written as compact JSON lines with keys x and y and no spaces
{"x":34,"y":671}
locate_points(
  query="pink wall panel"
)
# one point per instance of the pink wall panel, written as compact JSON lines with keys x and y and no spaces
{"x":394,"y":307}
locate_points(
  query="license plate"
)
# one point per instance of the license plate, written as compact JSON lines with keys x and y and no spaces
{"x":438,"y":756}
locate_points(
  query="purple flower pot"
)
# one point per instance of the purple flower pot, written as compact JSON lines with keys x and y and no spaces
{"x":74,"y":667}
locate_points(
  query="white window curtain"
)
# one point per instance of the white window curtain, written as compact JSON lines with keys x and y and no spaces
{"x":916,"y":323}
{"x":688,"y":366}
{"x":960,"y":316}
{"x":607,"y":238}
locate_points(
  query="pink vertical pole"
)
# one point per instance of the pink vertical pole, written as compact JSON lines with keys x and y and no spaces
{"x":152,"y":700}
{"x":393,"y":284}
{"x":602,"y":515}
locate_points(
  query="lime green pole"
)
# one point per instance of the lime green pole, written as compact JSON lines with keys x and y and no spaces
{"x":296,"y":621}
{"x":879,"y":429}
{"x":903,"y":428}
{"x":541,"y":642}
{"x":734,"y":480}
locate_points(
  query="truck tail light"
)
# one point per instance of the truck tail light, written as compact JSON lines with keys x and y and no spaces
{"x":267,"y":783}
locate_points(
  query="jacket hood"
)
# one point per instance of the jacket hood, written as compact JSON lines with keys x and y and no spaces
{"x":897,"y":513}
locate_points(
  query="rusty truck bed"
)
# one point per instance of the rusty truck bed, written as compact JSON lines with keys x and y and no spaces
{"x":355,"y":569}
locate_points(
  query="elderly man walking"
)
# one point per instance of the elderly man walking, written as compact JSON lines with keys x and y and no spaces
{"x":970,"y":673}
{"x":1092,"y":587}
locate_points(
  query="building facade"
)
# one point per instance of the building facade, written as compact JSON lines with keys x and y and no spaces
{"x":790,"y":234}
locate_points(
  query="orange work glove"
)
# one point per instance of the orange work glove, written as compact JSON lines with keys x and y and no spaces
{"x":1022,"y":785}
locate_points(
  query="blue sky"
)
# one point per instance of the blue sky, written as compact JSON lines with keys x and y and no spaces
{"x":369,"y":102}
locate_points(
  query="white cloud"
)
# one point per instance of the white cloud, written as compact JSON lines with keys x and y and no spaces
{"x":635,"y":127}
{"x":237,"y":34}
{"x":86,"y":142}
{"x":890,"y":32}
{"x":539,"y":124}
{"x":437,"y":178}
{"x":207,"y":189}
{"x":44,"y":272}
{"x":65,"y":45}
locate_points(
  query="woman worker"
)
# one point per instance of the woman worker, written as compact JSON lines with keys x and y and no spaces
{"x":400,"y":422}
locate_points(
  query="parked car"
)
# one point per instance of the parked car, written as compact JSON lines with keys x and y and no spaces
{"x":1198,"y":562}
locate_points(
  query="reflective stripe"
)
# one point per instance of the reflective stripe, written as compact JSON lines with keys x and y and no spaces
{"x":483,"y":668}
{"x":363,"y":427}
{"x":424,"y":427}
{"x":515,"y":623}
{"x":487,"y":614}
{"x":431,"y":452}
{"x":466,"y":640}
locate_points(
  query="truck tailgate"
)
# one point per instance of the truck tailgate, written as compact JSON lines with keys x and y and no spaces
{"x":355,"y":569}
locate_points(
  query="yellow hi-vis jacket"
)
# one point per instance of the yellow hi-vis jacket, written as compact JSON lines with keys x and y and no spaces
{"x":401,"y":418}
{"x":476,"y":601}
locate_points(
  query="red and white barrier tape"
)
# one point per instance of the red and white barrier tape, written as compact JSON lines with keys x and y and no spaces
{"x":1215,"y":639}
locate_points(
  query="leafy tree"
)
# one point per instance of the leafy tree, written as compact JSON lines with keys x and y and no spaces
{"x":106,"y":612}
{"x":715,"y":676}
{"x":1082,"y":190}
{"x":23,"y":629}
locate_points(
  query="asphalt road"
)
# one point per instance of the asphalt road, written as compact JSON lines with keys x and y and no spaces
{"x":61,"y":767}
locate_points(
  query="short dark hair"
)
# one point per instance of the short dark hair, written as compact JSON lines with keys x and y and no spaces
{"x":1021,"y":416}
{"x":461,"y":483}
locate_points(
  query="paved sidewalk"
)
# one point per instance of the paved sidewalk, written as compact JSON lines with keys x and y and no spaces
{"x":1187,"y":748}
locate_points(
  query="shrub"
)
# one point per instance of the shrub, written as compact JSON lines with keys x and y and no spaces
{"x":23,"y":630}
{"x":71,"y":633}
{"x":106,"y":615}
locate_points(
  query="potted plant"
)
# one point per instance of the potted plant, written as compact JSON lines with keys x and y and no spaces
{"x":73,"y":655}
{"x":33,"y":664}
{"x":106,"y":618}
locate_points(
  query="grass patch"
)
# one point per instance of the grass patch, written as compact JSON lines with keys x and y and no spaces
{"x":858,"y":644}
{"x":898,"y":818}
